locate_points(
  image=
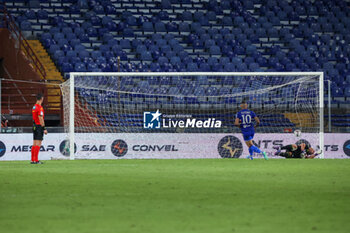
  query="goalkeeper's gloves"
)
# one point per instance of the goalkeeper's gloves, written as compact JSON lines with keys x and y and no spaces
{"x":303,"y":154}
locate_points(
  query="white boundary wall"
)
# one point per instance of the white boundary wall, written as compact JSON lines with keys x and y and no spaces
{"x":160,"y":145}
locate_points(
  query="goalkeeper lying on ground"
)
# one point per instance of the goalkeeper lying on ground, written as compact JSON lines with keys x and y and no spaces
{"x":294,"y":151}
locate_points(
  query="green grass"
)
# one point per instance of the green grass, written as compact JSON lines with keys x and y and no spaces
{"x":165,"y":196}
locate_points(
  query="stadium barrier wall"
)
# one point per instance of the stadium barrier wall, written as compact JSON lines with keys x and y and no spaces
{"x":160,"y":146}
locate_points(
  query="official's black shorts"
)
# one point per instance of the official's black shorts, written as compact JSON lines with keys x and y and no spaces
{"x":38,"y":132}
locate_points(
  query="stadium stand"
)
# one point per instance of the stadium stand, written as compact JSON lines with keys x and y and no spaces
{"x":184,"y":35}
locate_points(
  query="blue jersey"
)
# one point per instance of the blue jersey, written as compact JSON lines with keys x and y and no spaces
{"x":246,"y":120}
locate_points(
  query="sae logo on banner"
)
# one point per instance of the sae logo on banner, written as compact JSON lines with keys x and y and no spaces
{"x":151,"y":120}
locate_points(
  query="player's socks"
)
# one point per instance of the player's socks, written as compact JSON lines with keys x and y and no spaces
{"x":37,"y":153}
{"x":37,"y":149}
{"x":250,"y":153}
{"x":33,"y":154}
{"x":255,"y":149}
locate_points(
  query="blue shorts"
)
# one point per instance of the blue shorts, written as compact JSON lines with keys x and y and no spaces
{"x":248,"y":136}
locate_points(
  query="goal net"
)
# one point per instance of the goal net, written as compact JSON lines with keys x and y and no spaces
{"x":99,"y":107}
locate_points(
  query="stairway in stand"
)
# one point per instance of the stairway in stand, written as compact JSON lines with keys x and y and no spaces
{"x":52,"y":75}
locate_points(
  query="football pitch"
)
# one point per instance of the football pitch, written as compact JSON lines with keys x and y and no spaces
{"x":167,"y":196}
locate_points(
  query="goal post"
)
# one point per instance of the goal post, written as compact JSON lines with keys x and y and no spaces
{"x":98,"y":102}
{"x":71,"y":115}
{"x":321,"y":96}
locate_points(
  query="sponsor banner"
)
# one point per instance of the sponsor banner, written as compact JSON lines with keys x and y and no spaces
{"x":162,"y":145}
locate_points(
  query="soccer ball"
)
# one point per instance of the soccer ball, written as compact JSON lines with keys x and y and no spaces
{"x":297,"y":133}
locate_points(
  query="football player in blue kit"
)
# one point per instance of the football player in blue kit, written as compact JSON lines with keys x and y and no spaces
{"x":245,"y":121}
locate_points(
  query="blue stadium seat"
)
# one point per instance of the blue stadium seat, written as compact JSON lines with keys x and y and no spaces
{"x":163,"y":15}
{"x":215,"y":50}
{"x":42,"y":14}
{"x":125,"y":44}
{"x":272,"y":32}
{"x":199,"y":91}
{"x":182,"y":54}
{"x":58,"y":36}
{"x":71,"y":53}
{"x":208,"y":42}
{"x":45,"y":36}
{"x":254,"y":67}
{"x":67,"y":67}
{"x":212,"y":60}
{"x":156,"y":54}
{"x":62,"y":42}
{"x":166,"y":4}
{"x":204,"y":67}
{"x":98,"y":9}
{"x":79,"y":47}
{"x":96,"y":54}
{"x":67,"y":30}
{"x":57,"y":20}
{"x":261,"y":32}
{"x":83,"y":54}
{"x":175,"y":60}
{"x":224,"y":90}
{"x":71,"y":36}
{"x":192,"y":67}
{"x":58,"y":53}
{"x":187,"y":16}
{"x":173,"y":91}
{"x":184,"y":27}
{"x":92,"y":32}
{"x":78,"y":31}
{"x":238,"y":20}
{"x":146,"y":56}
{"x":100,"y":60}
{"x":154,"y":67}
{"x":135,"y":43}
{"x":162,"y":60}
{"x":197,"y":15}
{"x":95,"y":21}
{"x":160,"y":27}
{"x":92,"y":67}
{"x":211,"y":16}
{"x":227,"y":21}
{"x":347,"y":91}
{"x":128,"y":32}
{"x":337,"y":92}
{"x":229,"y":67}
{"x":249,"y":5}
{"x":217,"y":67}
{"x":131,"y":20}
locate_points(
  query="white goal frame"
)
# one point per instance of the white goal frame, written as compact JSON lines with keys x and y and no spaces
{"x":149,"y":74}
